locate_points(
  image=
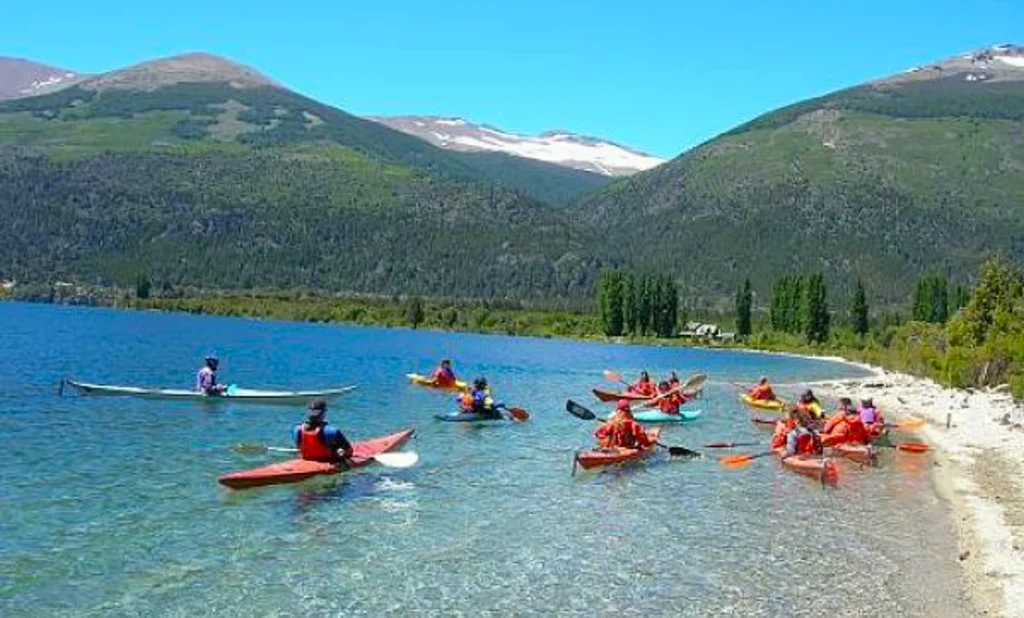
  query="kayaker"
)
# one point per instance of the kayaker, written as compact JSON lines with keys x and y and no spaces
{"x":871,"y":417}
{"x":206,"y":377}
{"x":845,"y":425}
{"x":444,"y":375}
{"x":644,"y":386}
{"x":797,"y":434}
{"x":671,"y":403}
{"x":810,"y":404}
{"x":478,"y":400}
{"x":674,"y":381}
{"x":762,"y":391}
{"x":318,"y":441}
{"x":622,"y":430}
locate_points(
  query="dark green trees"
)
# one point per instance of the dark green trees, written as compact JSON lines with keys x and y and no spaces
{"x":817,"y":322}
{"x":744,"y":301}
{"x":931,"y":300}
{"x":639,"y":305}
{"x":859,"y":310}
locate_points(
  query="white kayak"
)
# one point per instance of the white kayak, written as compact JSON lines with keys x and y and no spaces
{"x":233,"y":393}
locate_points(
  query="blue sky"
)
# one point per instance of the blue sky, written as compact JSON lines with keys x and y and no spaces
{"x":660,"y":76}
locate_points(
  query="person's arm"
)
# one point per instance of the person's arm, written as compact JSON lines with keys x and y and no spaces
{"x":339,"y":442}
{"x":296,"y":436}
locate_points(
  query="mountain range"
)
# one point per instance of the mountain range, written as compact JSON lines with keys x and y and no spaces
{"x":205,"y":173}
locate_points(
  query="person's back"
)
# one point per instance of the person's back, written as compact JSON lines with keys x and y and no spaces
{"x":478,"y":400}
{"x":319,"y":441}
{"x":622,"y":431}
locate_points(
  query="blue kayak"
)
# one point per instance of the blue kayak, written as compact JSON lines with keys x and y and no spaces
{"x":657,"y":416}
{"x":469,"y":417}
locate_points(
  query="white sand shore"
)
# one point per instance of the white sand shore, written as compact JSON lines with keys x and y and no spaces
{"x":978,"y":468}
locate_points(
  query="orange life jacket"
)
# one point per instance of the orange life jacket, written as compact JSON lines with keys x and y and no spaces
{"x":621,"y":432}
{"x":670,"y":404}
{"x":762,"y":392}
{"x":312,"y":445}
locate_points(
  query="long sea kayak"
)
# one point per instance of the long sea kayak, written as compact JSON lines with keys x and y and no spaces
{"x":657,"y":416}
{"x":296,"y":470}
{"x":422,"y":380}
{"x":763,"y":404}
{"x":822,"y":468}
{"x":233,"y":393}
{"x":596,"y":458}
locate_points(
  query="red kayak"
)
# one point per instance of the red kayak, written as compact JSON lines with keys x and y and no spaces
{"x":607,"y":396}
{"x":295,"y":470}
{"x":821,"y":468}
{"x":598,"y":457}
{"x":861,"y":453}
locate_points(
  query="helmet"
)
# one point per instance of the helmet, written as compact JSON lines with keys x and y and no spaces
{"x":318,"y":407}
{"x":480,"y":383}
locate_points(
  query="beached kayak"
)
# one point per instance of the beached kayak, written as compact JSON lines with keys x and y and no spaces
{"x":657,"y":416}
{"x":422,"y":380}
{"x":295,"y":470}
{"x":763,"y":404}
{"x":233,"y":393}
{"x":596,"y":458}
{"x":469,"y":417}
{"x":822,"y":468}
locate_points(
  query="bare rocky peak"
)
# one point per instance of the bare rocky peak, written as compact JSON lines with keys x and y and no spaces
{"x":991,"y":64}
{"x":187,"y":68}
{"x":21,"y":78}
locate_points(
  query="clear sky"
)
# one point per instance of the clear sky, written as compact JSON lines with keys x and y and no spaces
{"x":659,"y":76}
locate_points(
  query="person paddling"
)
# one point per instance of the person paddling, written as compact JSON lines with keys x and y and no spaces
{"x":206,"y":377}
{"x":871,"y":417}
{"x":622,"y":430}
{"x":762,"y":391}
{"x":797,"y":434}
{"x":444,"y":375}
{"x":809,"y":403}
{"x":644,"y":386}
{"x":845,"y":426}
{"x":318,"y":441}
{"x":478,"y":400}
{"x":670,"y":404}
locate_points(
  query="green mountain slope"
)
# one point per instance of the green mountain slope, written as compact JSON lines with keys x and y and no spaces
{"x":921,"y":172}
{"x":228,"y":180}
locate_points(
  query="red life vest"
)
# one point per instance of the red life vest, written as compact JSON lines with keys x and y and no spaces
{"x":312,"y":445}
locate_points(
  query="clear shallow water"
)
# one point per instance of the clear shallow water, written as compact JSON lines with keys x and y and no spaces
{"x":110,"y":506}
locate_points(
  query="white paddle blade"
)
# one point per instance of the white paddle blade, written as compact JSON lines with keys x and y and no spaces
{"x":695,"y":382}
{"x":404,"y":459}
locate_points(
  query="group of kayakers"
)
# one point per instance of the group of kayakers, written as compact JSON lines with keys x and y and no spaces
{"x":805,"y":431}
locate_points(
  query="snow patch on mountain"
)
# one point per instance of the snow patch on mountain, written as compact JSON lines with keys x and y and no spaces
{"x":558,"y":147}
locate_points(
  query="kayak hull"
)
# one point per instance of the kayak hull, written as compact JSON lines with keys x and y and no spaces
{"x":468,"y":417}
{"x":775,"y":405}
{"x":657,"y":416}
{"x":608,"y":396}
{"x":424,"y":381}
{"x":297,"y":470}
{"x":598,"y":458}
{"x":823,"y":469}
{"x":860,"y":453}
{"x":234,"y":394}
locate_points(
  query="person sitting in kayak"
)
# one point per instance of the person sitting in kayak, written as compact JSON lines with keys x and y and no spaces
{"x":318,"y":441}
{"x":644,"y":386}
{"x":797,"y":433}
{"x":206,"y":377}
{"x":477,"y":400}
{"x":845,"y":425}
{"x":622,"y":430}
{"x":674,"y":381}
{"x":762,"y":391}
{"x":670,"y":404}
{"x":810,"y":404}
{"x":871,"y":417}
{"x":444,"y":376}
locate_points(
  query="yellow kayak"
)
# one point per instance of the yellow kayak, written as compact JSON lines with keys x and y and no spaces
{"x":422,"y":380}
{"x":764,"y":404}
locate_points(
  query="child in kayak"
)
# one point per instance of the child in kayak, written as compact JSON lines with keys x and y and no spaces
{"x":845,"y":426}
{"x":444,"y":375}
{"x":762,"y":391}
{"x":206,"y":377}
{"x":671,"y":403}
{"x":644,"y":386}
{"x":622,"y":430}
{"x":318,"y":441}
{"x":871,"y":417}
{"x":809,"y":403}
{"x":478,"y":400}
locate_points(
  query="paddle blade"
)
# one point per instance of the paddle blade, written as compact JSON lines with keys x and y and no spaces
{"x":579,"y":411}
{"x":911,"y":423}
{"x":680,"y":451}
{"x":736,"y":462}
{"x":729,"y":444}
{"x":695,"y":382}
{"x":914,"y":447}
{"x":612,"y":376}
{"x":232,"y":389}
{"x":404,"y":459}
{"x":518,"y":414}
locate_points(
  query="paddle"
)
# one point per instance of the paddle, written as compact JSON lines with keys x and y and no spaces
{"x":613,"y":376}
{"x":582,"y":413}
{"x":908,"y":423}
{"x":516,"y":414}
{"x":401,"y":459}
{"x":909,"y":447}
{"x":743,"y":459}
{"x":729,"y":444}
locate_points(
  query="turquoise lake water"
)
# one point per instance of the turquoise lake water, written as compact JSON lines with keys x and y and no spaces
{"x":110,"y":506}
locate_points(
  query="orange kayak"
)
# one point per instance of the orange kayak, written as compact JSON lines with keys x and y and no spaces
{"x":607,"y":396}
{"x":296,"y":470}
{"x":861,"y":453}
{"x":822,"y":468}
{"x":595,"y":458}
